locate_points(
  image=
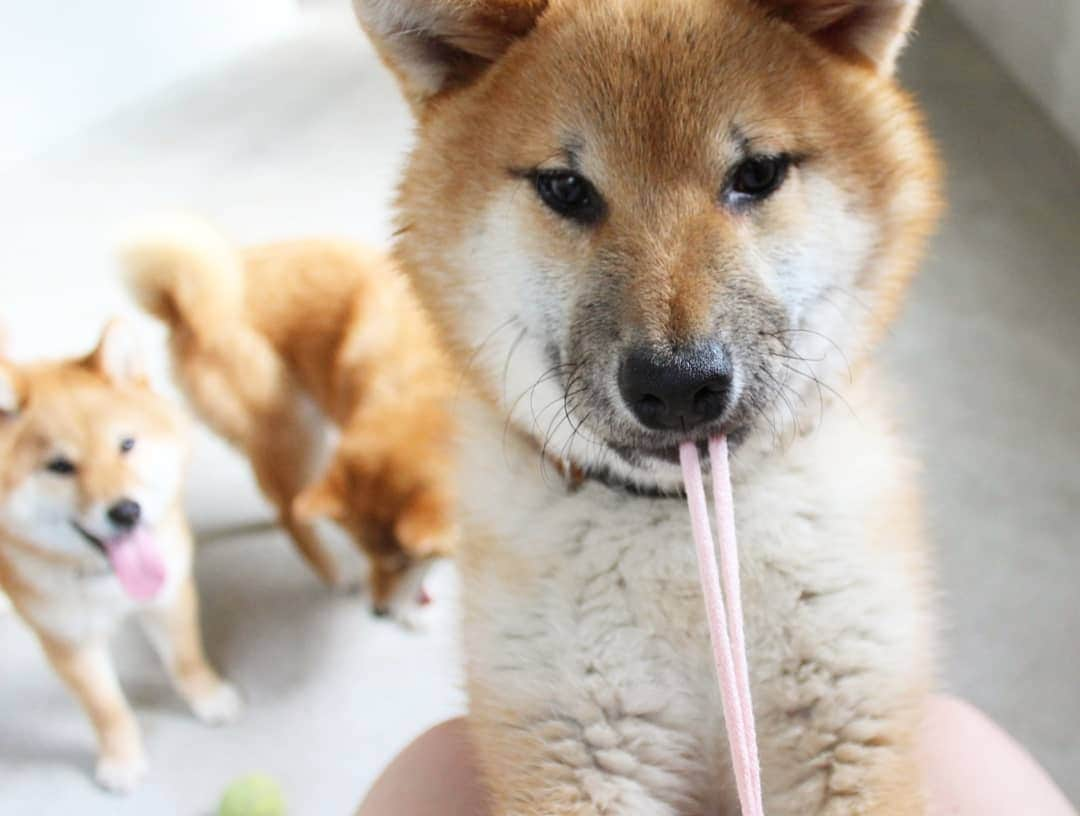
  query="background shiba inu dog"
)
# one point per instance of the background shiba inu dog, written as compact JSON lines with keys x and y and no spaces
{"x":92,"y":530}
{"x":270,"y":342}
{"x":643,"y":222}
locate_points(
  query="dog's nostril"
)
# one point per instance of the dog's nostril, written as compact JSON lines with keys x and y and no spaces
{"x":125,"y":513}
{"x":649,"y":406}
{"x":710,"y":399}
{"x":676,"y":390}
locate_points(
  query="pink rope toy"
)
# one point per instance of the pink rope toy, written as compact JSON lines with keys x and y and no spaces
{"x":725,"y":613}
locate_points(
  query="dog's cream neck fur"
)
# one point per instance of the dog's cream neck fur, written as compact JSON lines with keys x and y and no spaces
{"x":280,"y":347}
{"x":598,"y":643}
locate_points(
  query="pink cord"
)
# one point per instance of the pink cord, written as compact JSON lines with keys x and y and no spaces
{"x":724,"y":613}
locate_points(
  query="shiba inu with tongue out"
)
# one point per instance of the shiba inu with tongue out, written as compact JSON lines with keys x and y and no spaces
{"x":92,"y":530}
{"x":642,"y":224}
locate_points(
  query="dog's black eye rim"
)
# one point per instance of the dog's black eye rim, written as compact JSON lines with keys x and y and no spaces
{"x":61,"y":466}
{"x":126,"y":444}
{"x":757,"y":177}
{"x":569,"y":194}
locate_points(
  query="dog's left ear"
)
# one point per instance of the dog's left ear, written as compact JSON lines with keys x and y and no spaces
{"x":436,"y":45}
{"x":868,"y":31}
{"x":117,"y":356}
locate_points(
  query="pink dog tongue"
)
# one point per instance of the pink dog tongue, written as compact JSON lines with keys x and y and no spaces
{"x":138,"y":564}
{"x":724,"y":613}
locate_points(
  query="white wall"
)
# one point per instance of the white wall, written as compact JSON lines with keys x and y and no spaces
{"x":1039,"y":42}
{"x":65,"y":63}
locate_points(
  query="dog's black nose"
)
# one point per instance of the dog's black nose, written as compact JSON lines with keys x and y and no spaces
{"x":679,"y":390}
{"x":125,"y":514}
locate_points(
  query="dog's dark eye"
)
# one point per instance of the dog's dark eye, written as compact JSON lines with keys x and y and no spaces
{"x":759,"y":177}
{"x":126,"y":444}
{"x":570,"y":195}
{"x":61,"y":466}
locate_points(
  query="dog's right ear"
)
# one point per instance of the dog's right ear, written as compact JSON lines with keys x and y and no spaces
{"x":11,"y":390}
{"x":868,"y":31}
{"x":436,"y":45}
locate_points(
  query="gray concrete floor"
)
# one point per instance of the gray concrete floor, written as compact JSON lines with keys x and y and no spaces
{"x":306,"y":138}
{"x":987,"y":357}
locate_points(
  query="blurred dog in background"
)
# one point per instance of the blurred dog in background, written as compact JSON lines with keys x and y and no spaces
{"x":92,"y":530}
{"x":275,"y":343}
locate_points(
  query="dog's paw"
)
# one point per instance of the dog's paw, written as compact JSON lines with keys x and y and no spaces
{"x":409,"y":619}
{"x":221,"y":706}
{"x":120,"y":775}
{"x":407,"y":613}
{"x":410,"y":598}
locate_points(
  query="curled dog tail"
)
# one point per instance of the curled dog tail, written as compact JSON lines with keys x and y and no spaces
{"x":189,"y":276}
{"x":185,"y":273}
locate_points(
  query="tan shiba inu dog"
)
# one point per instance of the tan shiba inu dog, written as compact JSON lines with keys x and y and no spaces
{"x":644,"y":222}
{"x":92,"y":530}
{"x":275,"y":343}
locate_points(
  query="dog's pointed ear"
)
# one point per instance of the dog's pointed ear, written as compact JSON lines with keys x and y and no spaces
{"x":12,"y":393}
{"x":868,"y":31}
{"x":320,"y":500}
{"x":435,"y":45}
{"x":118,"y":357}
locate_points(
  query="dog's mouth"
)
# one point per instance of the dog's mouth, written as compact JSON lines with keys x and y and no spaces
{"x":635,"y":455}
{"x":596,"y":408}
{"x":135,"y":558}
{"x":667,"y":450}
{"x":94,"y":541}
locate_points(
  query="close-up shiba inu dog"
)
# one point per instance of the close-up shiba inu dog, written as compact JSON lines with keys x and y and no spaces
{"x":92,"y":530}
{"x":641,"y":223}
{"x":275,"y":343}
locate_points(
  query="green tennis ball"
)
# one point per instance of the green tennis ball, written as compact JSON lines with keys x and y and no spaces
{"x":253,"y":795}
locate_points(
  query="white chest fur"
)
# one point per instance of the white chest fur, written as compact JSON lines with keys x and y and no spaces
{"x":585,"y":617}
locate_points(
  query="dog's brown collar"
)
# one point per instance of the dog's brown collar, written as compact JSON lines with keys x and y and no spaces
{"x":575,"y":476}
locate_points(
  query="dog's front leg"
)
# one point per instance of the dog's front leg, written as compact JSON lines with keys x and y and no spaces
{"x":552,"y":769}
{"x":893,"y":788}
{"x":88,"y":672}
{"x":870,"y":767}
{"x":174,"y":631}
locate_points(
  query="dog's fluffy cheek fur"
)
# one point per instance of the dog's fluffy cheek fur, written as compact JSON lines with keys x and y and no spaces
{"x":157,"y":467}
{"x":514,"y":314}
{"x":818,"y":240}
{"x":41,"y":506}
{"x":811,"y":264}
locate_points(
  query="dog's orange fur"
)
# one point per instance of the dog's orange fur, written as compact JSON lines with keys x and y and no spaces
{"x":649,"y":87}
{"x":74,"y":406}
{"x":257,"y":335}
